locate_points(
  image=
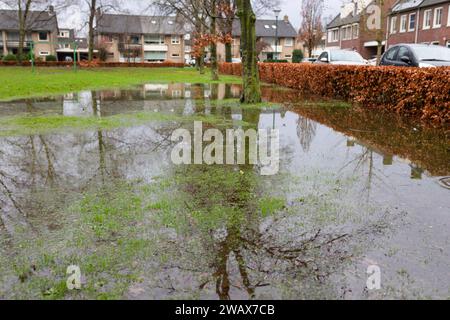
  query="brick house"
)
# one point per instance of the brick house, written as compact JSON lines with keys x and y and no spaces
{"x":129,"y":38}
{"x":42,"y":32}
{"x":349,"y":31}
{"x":420,"y":21}
{"x":68,"y":44}
{"x":266,"y":31}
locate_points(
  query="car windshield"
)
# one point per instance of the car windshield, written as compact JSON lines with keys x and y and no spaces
{"x":346,"y":56}
{"x":432,"y":53}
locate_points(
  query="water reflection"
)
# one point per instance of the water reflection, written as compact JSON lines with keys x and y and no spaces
{"x":345,"y":177}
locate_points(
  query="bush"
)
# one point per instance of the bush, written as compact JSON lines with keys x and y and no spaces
{"x":297,"y":56}
{"x":9,"y":57}
{"x":423,"y":93}
{"x":50,"y":58}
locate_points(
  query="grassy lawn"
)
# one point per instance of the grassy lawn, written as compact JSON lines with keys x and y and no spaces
{"x":20,"y":82}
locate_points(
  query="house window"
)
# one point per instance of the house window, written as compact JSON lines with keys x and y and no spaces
{"x":437,"y":18}
{"x":135,"y":39}
{"x":412,"y":22}
{"x":175,"y":40}
{"x":427,"y":19}
{"x":448,"y":17}
{"x":333,"y":35}
{"x":403,"y":24}
{"x":435,"y":43}
{"x":355,"y":31}
{"x":288,"y":56}
{"x":288,"y":42}
{"x":43,"y":36}
{"x":393,"y":25}
{"x":107,"y":38}
{"x":448,"y":44}
{"x":154,"y":39}
{"x":175,"y":55}
{"x":44,"y":53}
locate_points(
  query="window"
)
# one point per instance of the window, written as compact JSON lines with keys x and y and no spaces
{"x":437,"y":18}
{"x":448,"y":44}
{"x":333,"y":35}
{"x":44,"y":53}
{"x":355,"y":31}
{"x":403,"y":24}
{"x":435,"y":43}
{"x":175,"y":55}
{"x":135,"y":39}
{"x":154,"y":39}
{"x":288,"y":56}
{"x":390,"y":54}
{"x":175,"y":40}
{"x":64,"y":34}
{"x":43,"y":36}
{"x":427,"y":19}
{"x":393,"y":25}
{"x":288,"y":42}
{"x":448,"y":17}
{"x":346,"y":33}
{"x":412,"y":22}
{"x":324,"y":55}
{"x":403,"y":52}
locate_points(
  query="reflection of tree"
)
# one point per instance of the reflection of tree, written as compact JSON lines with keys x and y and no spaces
{"x":306,"y":131}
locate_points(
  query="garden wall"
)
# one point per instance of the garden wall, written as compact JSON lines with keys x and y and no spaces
{"x":423,"y":93}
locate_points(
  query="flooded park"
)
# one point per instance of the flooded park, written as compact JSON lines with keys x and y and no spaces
{"x":87,"y":179}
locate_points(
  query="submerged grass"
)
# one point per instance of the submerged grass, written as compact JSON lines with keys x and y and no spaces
{"x":20,"y":82}
{"x":41,"y":124}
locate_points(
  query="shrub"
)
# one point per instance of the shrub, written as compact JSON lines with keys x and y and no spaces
{"x":9,"y":57}
{"x":423,"y":93}
{"x":50,"y":58}
{"x":297,"y":56}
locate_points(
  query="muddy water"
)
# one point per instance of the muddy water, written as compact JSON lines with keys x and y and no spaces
{"x":355,"y":189}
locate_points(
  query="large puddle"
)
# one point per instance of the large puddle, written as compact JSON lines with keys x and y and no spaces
{"x":86,"y":179}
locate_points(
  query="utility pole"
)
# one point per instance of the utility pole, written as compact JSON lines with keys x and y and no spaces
{"x":277,"y":12}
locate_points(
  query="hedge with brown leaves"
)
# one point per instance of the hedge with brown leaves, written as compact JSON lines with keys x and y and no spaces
{"x":95,"y":64}
{"x":417,"y":92}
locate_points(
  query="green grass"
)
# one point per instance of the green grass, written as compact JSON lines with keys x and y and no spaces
{"x":20,"y":82}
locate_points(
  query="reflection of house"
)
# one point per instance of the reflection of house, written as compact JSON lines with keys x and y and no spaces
{"x":420,"y":21}
{"x":42,"y":32}
{"x":78,"y":104}
{"x":266,"y":31}
{"x":129,"y":38}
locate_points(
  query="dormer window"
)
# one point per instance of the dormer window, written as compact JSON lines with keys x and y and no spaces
{"x":153,"y":22}
{"x":170,"y":22}
{"x":274,"y":26}
{"x":267,"y":26}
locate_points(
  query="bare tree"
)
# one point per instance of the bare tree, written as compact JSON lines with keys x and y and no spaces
{"x":311,"y":29}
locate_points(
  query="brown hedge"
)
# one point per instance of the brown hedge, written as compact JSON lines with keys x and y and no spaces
{"x":417,"y":92}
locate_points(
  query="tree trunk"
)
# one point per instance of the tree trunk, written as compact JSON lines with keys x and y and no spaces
{"x":251,"y":92}
{"x":213,"y":47}
{"x":93,"y":10}
{"x":23,"y":16}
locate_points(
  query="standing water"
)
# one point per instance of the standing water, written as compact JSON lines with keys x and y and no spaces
{"x":87,"y":179}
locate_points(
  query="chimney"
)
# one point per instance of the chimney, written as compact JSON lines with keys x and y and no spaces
{"x":51,"y":10}
{"x":286,"y":19}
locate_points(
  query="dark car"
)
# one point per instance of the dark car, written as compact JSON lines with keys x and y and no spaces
{"x":416,"y":55}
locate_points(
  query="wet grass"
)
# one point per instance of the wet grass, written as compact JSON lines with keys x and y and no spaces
{"x":41,"y":124}
{"x":20,"y":82}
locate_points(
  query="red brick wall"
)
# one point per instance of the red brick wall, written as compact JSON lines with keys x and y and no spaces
{"x":441,"y":34}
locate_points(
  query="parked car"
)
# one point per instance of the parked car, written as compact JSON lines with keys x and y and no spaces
{"x":309,"y":60}
{"x":416,"y":55}
{"x":236,"y":60}
{"x":372,"y":62}
{"x":341,"y":57}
